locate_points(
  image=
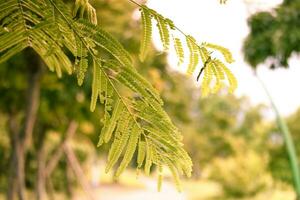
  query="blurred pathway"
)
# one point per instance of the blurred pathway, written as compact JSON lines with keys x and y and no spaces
{"x":119,"y":192}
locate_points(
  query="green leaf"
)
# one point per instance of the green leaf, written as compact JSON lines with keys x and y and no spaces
{"x":117,"y":112}
{"x":81,"y":69}
{"x":226,"y":53}
{"x":194,"y":56}
{"x":131,"y":146}
{"x":147,"y":32}
{"x":164,"y":33}
{"x":141,"y":153}
{"x":96,"y":85}
{"x":179,"y":50}
{"x":50,"y":29}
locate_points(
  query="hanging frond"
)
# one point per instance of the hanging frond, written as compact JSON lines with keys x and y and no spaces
{"x":149,"y":157}
{"x":107,"y":131}
{"x":150,"y":123}
{"x":96,"y":85}
{"x":217,"y":71}
{"x":131,"y":147}
{"x":93,"y":36}
{"x":166,"y":28}
{"x":141,"y":153}
{"x":132,"y":121}
{"x":194,"y":56}
{"x":230,"y":77}
{"x":160,"y":177}
{"x":147,"y":32}
{"x":32,"y":23}
{"x":179,"y":50}
{"x":82,"y":6}
{"x":204,"y":55}
{"x":226,"y":53}
{"x":163,"y":28}
{"x":81,"y":68}
{"x":223,"y":1}
{"x":120,"y":140}
{"x":207,"y":78}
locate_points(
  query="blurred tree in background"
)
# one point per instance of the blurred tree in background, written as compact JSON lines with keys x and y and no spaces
{"x":279,"y":163}
{"x":275,"y":38}
{"x":226,"y":140}
{"x":274,"y":35}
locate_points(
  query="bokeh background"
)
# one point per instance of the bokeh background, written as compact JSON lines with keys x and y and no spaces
{"x":234,"y":140}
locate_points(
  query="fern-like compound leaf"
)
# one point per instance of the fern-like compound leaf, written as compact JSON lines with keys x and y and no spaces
{"x":223,"y":1}
{"x":131,"y":147}
{"x":179,"y":50}
{"x":82,"y":6}
{"x":96,"y":85}
{"x":166,"y":27}
{"x":149,"y":157}
{"x":108,"y":130}
{"x":163,"y":29}
{"x":147,"y":32}
{"x":174,"y":173}
{"x":160,"y":177}
{"x":226,"y":53}
{"x":29,"y":23}
{"x":81,"y":69}
{"x":207,"y":78}
{"x":133,"y":120}
{"x":141,"y":153}
{"x":216,"y":72}
{"x":194,"y":56}
{"x":230,"y":77}
{"x":104,"y":40}
{"x":121,"y":138}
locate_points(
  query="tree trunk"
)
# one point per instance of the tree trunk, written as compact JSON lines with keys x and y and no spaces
{"x":50,"y":189}
{"x":52,"y":163}
{"x":21,"y":138}
{"x":70,"y":179}
{"x":14,"y":142}
{"x":41,"y":167}
{"x":75,"y":166}
{"x":196,"y":170}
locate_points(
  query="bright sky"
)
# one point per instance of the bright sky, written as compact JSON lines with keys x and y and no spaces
{"x":226,"y":25}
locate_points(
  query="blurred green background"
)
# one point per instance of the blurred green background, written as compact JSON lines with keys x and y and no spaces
{"x":238,"y":152}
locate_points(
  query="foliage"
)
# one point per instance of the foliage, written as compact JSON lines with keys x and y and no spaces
{"x":4,"y":149}
{"x":226,"y":137}
{"x":279,"y":163}
{"x":48,"y":27}
{"x":223,"y":1}
{"x":56,"y":110}
{"x":236,"y":172}
{"x":54,"y":32}
{"x":273,"y":35}
{"x":215,"y":71}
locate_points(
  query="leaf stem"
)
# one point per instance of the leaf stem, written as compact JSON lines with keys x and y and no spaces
{"x":289,"y":143}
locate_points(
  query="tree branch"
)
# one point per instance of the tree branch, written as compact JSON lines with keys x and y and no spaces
{"x":52,"y":163}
